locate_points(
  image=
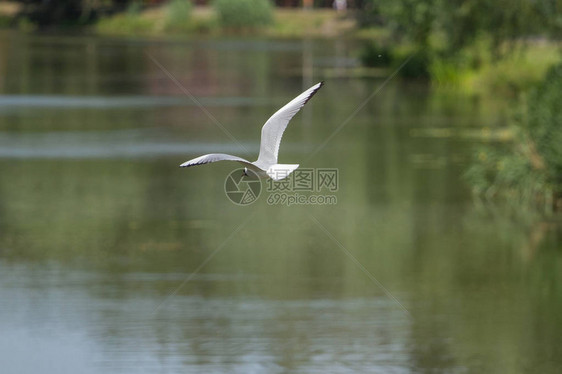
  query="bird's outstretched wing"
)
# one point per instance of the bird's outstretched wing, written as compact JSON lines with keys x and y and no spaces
{"x":213,"y":157}
{"x":272,"y":131}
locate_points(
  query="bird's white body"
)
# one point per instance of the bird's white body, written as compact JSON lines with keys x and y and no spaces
{"x":266,"y":165}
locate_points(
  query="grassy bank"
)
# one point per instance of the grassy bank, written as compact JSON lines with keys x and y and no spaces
{"x":473,"y":70}
{"x":286,"y":23}
{"x":509,"y":75}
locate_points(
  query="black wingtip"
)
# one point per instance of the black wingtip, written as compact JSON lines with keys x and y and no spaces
{"x":314,"y":92}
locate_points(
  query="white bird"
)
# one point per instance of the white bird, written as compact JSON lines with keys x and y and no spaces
{"x":271,"y":134}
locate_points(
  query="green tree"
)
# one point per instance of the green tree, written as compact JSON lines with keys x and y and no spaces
{"x":462,"y":21}
{"x":530,"y":169}
{"x":413,"y":19}
{"x":544,"y":124}
{"x":503,"y":20}
{"x":49,"y":13}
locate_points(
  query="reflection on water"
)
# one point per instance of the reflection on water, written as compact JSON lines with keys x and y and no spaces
{"x":103,"y":237}
{"x":218,"y":333}
{"x":28,"y":102}
{"x":105,"y":144}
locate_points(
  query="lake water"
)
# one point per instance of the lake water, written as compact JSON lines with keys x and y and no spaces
{"x":114,"y":260}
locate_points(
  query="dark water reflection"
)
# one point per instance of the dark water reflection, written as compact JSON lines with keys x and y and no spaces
{"x":99,"y":227}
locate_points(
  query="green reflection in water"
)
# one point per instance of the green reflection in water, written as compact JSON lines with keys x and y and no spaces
{"x":95,"y":237}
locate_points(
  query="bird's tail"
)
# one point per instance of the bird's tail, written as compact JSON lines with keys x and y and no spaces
{"x":278,"y":172}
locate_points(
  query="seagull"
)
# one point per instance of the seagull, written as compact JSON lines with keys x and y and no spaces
{"x":271,"y":133}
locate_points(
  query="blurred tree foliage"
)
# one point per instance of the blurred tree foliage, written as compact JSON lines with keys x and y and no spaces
{"x":530,"y":169}
{"x":61,"y":12}
{"x":503,"y":20}
{"x":460,"y":22}
{"x":544,"y":124}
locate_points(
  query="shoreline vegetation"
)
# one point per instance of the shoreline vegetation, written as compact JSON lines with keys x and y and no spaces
{"x":477,"y":68}
{"x":482,"y":51}
{"x":204,"y":21}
